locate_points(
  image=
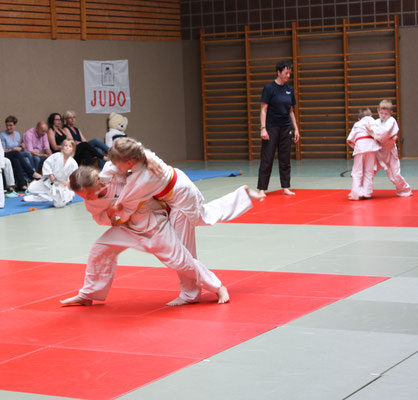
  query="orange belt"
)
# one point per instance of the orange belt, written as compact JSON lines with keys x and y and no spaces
{"x":169,"y":188}
{"x":120,"y":222}
{"x":364,"y":137}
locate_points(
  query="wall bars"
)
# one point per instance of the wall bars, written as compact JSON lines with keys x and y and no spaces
{"x":337,"y":69}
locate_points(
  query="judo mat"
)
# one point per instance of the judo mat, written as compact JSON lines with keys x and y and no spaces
{"x":107,"y":350}
{"x":199,"y":175}
{"x":17,"y":206}
{"x":331,"y":207}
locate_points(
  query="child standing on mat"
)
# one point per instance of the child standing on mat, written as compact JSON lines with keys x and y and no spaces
{"x":387,"y":156}
{"x":147,"y":230}
{"x":1,"y":176}
{"x":174,"y":188}
{"x":365,"y":148}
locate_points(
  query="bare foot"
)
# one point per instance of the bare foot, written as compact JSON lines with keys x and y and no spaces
{"x":288,"y":191}
{"x":178,"y":301}
{"x":36,"y":175}
{"x":405,"y":194}
{"x":350,"y":197}
{"x":223,"y":295}
{"x":76,"y":301}
{"x":254,"y":195}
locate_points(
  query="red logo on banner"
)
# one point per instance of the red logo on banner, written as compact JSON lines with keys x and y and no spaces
{"x":108,"y":97}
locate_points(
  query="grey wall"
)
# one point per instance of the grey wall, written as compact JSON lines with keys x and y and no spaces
{"x":409,"y":94}
{"x":39,"y":76}
{"x":193,"y":100}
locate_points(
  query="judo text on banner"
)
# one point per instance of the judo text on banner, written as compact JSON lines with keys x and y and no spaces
{"x":107,"y":86}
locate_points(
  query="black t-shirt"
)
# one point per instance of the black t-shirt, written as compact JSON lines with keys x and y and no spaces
{"x":280,"y":98}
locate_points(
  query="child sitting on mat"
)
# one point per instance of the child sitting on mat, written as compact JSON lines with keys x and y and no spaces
{"x":56,"y":170}
{"x":365,"y":148}
{"x":387,"y":156}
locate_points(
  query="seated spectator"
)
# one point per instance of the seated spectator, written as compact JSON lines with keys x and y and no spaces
{"x":13,"y":150}
{"x":56,"y":134}
{"x":36,"y":143}
{"x":55,"y":183}
{"x":13,"y":139}
{"x":85,"y":151}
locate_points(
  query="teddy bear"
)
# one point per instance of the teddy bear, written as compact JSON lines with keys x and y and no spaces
{"x":117,"y":124}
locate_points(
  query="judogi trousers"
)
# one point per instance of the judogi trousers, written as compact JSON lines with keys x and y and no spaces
{"x":161,"y":241}
{"x":184,"y":223}
{"x":363,"y":174}
{"x":281,"y":138}
{"x":1,"y":190}
{"x":389,"y":160}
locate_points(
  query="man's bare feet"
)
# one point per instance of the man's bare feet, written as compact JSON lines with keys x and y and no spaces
{"x":254,"y":195}
{"x":288,"y":191}
{"x":76,"y":301}
{"x":223,"y":295}
{"x":178,"y":301}
{"x":351,"y":197}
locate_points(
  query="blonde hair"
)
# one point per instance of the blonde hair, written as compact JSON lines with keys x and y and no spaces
{"x":71,"y":142}
{"x":126,"y":149}
{"x":385,"y":105}
{"x":364,"y":112}
{"x":68,"y":114}
{"x":83,"y":177}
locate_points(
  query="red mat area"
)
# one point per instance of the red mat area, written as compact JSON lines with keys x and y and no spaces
{"x":107,"y":350}
{"x":331,"y":207}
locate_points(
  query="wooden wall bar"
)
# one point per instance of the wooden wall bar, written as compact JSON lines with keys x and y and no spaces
{"x":337,"y":70}
{"x":91,"y":19}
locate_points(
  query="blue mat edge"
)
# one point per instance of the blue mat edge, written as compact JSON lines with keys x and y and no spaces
{"x":17,"y":206}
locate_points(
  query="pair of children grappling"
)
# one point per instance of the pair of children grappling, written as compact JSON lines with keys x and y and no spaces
{"x":133,"y":193}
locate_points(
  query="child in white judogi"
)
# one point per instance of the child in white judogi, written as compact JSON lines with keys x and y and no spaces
{"x":56,"y":171}
{"x":388,"y":154}
{"x":174,"y":188}
{"x":365,"y":148}
{"x":1,"y":176}
{"x":147,"y":230}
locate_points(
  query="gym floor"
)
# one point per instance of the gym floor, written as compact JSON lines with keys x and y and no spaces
{"x":364,"y":346}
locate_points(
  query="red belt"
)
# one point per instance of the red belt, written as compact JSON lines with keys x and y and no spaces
{"x":364,"y":137}
{"x":169,"y":187}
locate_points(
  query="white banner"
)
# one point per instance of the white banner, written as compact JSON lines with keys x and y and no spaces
{"x":106,"y":86}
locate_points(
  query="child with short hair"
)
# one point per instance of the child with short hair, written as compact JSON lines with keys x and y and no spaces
{"x":387,"y":156}
{"x":365,"y":148}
